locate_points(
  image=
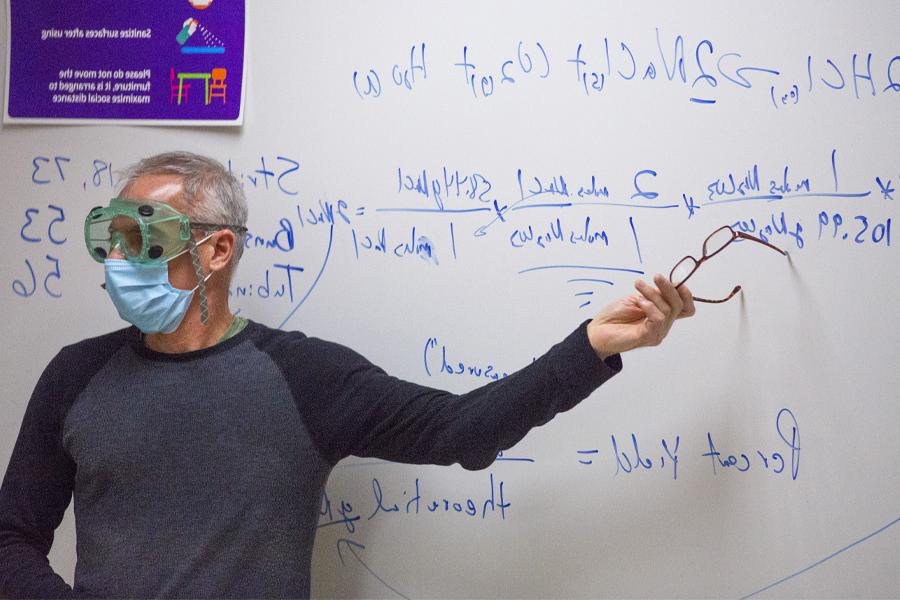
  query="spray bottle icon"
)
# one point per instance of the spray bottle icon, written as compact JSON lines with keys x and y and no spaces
{"x":187,"y":30}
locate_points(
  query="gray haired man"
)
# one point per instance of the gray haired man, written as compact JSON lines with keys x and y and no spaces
{"x":197,"y":444}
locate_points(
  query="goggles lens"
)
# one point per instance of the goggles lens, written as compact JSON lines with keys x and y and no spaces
{"x":105,"y":234}
{"x":143,"y":231}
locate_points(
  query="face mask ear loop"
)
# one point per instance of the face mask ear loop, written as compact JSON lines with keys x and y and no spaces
{"x":201,"y":282}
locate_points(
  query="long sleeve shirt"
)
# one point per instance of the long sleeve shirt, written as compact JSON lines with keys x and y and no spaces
{"x":201,"y":474}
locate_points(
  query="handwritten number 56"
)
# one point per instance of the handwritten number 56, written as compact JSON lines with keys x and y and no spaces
{"x":27,"y":288}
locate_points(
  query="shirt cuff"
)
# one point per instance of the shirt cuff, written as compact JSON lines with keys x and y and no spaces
{"x":578,"y":365}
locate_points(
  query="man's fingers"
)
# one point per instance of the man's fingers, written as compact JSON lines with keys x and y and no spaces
{"x":687,"y":299}
{"x":653,"y":295}
{"x":670,"y":294}
{"x":654,"y":314}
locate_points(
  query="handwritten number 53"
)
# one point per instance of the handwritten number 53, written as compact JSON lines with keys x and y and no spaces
{"x":26,"y":231}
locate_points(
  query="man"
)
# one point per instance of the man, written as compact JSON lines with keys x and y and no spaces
{"x":197,"y":444}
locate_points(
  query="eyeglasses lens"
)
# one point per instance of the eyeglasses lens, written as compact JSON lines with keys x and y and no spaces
{"x":717,"y":240}
{"x":683,"y":270}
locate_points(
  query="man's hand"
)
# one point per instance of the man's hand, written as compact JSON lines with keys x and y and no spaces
{"x":642,"y":319}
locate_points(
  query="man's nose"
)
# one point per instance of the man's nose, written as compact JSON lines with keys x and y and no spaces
{"x":115,"y":252}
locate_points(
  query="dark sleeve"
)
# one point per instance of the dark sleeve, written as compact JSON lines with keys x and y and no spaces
{"x":353,"y":407}
{"x":36,"y":490}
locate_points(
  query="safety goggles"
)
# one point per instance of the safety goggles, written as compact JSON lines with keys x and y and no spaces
{"x":144,"y":231}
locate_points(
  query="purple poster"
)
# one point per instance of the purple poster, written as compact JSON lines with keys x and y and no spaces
{"x":150,"y":61}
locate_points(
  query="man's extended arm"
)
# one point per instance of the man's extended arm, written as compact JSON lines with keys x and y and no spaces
{"x":353,"y":408}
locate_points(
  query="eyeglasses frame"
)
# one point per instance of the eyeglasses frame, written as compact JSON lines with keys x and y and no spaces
{"x":705,"y":257}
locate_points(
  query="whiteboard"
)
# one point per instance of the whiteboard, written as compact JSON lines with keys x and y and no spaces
{"x":461,"y":187}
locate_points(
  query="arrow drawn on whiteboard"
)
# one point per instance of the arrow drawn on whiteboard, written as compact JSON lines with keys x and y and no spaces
{"x":315,"y":281}
{"x":351,"y":547}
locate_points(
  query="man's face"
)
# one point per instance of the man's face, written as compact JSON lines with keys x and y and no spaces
{"x":168,"y":189}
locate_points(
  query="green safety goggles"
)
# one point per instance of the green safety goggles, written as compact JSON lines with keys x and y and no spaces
{"x":144,"y":231}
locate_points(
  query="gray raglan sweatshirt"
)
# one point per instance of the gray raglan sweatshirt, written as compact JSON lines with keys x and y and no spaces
{"x":201,"y":474}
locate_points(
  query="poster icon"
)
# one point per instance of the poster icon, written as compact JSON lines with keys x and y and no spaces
{"x":214,"y":85}
{"x":211,"y":44}
{"x":200,"y":4}
{"x":187,"y":30}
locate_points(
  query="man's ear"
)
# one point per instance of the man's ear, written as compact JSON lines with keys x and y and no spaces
{"x":223,"y":246}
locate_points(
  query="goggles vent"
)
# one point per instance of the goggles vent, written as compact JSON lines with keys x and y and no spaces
{"x":155,"y":251}
{"x":145,"y":210}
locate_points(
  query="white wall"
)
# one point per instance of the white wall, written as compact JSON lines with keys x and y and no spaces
{"x":815,"y":335}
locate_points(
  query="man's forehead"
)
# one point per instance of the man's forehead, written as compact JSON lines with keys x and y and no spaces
{"x":160,"y":188}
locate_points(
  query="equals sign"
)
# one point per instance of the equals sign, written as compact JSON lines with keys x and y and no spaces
{"x":360,"y":211}
{"x":588,"y":461}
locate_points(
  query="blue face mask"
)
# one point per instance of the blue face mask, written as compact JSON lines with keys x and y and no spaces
{"x":144,"y":297}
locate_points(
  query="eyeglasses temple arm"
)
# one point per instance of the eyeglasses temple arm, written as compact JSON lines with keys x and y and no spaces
{"x":746,"y":236}
{"x":734,"y":292}
{"x":218,"y":226}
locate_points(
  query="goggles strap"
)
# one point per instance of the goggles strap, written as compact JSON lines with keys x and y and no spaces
{"x":201,"y":281}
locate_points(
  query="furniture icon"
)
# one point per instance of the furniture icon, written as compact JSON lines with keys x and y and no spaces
{"x":204,"y":76}
{"x":217,"y":87}
{"x":175,"y":91}
{"x":214,"y":89}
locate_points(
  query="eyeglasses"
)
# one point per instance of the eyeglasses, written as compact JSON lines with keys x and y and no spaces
{"x":717,"y":241}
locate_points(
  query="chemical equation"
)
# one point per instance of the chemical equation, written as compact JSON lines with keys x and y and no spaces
{"x":701,"y":67}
